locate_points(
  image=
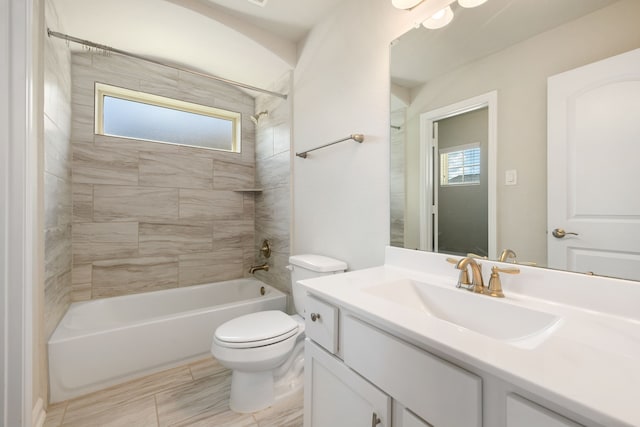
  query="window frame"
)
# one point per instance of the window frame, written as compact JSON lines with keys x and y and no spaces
{"x":103,"y":90}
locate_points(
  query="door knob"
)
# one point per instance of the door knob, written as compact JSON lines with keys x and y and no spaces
{"x":559,"y":233}
{"x":315,"y":316}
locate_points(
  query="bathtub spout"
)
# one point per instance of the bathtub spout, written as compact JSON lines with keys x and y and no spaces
{"x":255,"y":268}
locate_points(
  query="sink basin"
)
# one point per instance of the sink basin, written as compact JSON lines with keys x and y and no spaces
{"x":485,"y":315}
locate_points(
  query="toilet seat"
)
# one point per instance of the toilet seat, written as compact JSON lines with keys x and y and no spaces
{"x":256,"y":330}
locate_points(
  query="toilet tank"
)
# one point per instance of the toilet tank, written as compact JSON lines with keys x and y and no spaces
{"x":309,"y":266}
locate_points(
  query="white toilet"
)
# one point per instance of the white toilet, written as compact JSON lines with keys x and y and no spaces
{"x":265,"y":350}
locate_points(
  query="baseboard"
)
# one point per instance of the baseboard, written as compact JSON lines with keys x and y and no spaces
{"x":38,"y":415}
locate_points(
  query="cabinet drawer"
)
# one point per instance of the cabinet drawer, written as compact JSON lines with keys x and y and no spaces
{"x":523,"y":413}
{"x":437,"y":391}
{"x":321,"y":323}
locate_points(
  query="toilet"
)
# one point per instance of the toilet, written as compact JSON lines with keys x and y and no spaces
{"x":265,"y":350}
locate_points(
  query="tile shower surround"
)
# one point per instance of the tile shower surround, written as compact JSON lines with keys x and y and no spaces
{"x":57,"y":177}
{"x":150,"y":216}
{"x":273,"y":160}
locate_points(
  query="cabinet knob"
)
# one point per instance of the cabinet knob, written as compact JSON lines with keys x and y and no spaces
{"x":375,"y":420}
{"x":315,"y":316}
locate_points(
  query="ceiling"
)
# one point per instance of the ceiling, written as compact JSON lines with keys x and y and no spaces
{"x":290,"y":19}
{"x":421,"y":54}
{"x":234,"y":39}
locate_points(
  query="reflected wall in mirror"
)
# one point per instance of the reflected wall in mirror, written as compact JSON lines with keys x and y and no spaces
{"x":511,"y":47}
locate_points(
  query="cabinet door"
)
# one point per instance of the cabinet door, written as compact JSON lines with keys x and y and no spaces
{"x":409,"y":419}
{"x":335,"y":396}
{"x":523,"y":413}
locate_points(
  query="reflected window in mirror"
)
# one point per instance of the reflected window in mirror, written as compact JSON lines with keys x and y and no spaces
{"x":460,"y":165}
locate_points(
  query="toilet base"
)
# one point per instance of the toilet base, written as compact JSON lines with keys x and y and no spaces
{"x":255,"y":391}
{"x":251,"y":391}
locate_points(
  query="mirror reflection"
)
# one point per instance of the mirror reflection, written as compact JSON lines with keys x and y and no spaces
{"x":513,"y":50}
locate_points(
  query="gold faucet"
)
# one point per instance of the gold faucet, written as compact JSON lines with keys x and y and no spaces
{"x":477,"y":284}
{"x":495,"y":286}
{"x":506,"y":254}
{"x":255,"y":268}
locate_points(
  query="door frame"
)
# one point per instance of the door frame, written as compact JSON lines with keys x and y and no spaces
{"x":20,"y":215}
{"x":427,"y":177}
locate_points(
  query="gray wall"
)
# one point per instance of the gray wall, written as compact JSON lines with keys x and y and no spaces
{"x":273,"y":160}
{"x":462,"y":209}
{"x":150,"y":216}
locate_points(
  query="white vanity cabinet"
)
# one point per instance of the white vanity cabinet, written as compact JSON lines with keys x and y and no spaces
{"x":376,"y":368}
{"x":524,"y":413}
{"x":335,"y":396}
{"x":439,"y":392}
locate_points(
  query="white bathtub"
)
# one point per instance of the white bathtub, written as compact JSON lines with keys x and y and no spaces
{"x":107,"y":341}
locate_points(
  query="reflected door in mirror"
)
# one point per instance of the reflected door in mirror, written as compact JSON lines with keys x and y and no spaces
{"x":593,"y":168}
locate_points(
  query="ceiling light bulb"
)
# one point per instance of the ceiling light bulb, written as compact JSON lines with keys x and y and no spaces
{"x":439,"y":19}
{"x":405,"y":4}
{"x":471,"y":3}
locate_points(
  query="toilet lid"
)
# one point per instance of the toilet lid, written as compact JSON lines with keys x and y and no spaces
{"x":255,"y":329}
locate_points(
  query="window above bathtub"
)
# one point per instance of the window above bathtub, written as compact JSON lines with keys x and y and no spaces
{"x":131,"y":114}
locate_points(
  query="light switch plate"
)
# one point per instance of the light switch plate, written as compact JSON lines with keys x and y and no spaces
{"x":511,"y":177}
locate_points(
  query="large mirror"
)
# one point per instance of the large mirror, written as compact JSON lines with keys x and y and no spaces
{"x":495,"y":61}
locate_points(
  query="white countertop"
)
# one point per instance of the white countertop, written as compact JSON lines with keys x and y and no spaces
{"x":589,"y":363}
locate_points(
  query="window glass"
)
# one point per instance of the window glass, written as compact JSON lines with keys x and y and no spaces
{"x":460,"y":165}
{"x":130,"y":114}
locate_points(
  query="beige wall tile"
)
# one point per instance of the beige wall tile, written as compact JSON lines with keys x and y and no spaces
{"x":173,"y":170}
{"x":80,"y":292}
{"x":216,"y":266}
{"x":233,"y":234}
{"x":134,"y":275}
{"x":97,"y":165}
{"x":57,"y":299}
{"x":249,"y":205}
{"x":103,"y":241}
{"x":162,"y":239}
{"x":232,"y":176}
{"x":82,"y":195}
{"x":167,"y":189}
{"x":210,"y":204}
{"x":81,"y":273}
{"x":120,"y":203}
{"x":105,"y":232}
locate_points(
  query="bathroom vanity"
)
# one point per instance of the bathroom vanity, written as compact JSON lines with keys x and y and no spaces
{"x":400,"y":345}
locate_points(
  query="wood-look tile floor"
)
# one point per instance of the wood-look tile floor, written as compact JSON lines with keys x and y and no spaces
{"x":196,"y":394}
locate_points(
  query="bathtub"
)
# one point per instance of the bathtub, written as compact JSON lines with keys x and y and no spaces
{"x":104,"y":342}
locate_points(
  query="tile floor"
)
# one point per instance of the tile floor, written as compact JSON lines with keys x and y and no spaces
{"x":196,"y":394}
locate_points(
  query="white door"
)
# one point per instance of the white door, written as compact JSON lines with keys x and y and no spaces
{"x":593,"y":168}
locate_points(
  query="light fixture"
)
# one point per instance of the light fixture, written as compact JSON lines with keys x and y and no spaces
{"x":405,"y":4}
{"x":439,"y":19}
{"x":471,"y":3}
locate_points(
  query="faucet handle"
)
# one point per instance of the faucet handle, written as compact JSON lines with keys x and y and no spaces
{"x":463,"y":278}
{"x":476,"y":256}
{"x":495,"y":285}
{"x":508,"y":270}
